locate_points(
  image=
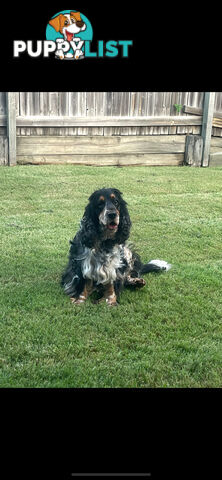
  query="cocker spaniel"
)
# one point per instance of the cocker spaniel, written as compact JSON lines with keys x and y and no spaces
{"x":99,"y":258}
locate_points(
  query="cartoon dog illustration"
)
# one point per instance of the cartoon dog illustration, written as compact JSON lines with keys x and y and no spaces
{"x":68,"y":24}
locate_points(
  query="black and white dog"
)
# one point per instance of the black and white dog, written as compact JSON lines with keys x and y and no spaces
{"x":99,"y":257}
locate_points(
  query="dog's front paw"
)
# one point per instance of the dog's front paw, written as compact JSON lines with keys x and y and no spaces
{"x":59,"y":54}
{"x":135,"y":282}
{"x":78,"y":54}
{"x":111,"y":302}
{"x":78,"y":301}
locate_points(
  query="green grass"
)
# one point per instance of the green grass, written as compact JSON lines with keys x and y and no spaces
{"x":168,"y":334}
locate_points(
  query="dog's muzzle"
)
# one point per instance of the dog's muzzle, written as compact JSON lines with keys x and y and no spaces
{"x":112,"y":220}
{"x":109,"y":219}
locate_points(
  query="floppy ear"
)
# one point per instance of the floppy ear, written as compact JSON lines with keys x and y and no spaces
{"x":55,"y":22}
{"x":124,"y":222}
{"x":88,"y":228}
{"x":118,"y":193}
{"x":76,"y":15}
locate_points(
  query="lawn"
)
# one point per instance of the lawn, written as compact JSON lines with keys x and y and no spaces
{"x":168,"y":334}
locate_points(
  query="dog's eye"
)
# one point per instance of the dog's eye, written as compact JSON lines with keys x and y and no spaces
{"x":72,"y":20}
{"x":66,"y":22}
{"x":115,"y":201}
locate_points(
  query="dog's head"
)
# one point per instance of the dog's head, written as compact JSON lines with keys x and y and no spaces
{"x":107,"y":216}
{"x":68,"y":24}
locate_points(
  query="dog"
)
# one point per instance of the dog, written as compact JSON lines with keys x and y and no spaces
{"x":99,"y":257}
{"x":68,"y":25}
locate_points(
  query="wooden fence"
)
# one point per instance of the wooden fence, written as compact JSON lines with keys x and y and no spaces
{"x":110,"y":128}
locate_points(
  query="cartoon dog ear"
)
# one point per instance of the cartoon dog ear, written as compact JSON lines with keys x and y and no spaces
{"x":77,"y":16}
{"x":55,"y":22}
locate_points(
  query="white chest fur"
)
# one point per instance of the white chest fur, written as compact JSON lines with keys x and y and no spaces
{"x":102,"y":267}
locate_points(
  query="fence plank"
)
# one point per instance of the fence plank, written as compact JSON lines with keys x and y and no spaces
{"x":112,"y":121}
{"x":11,"y":127}
{"x":115,"y":150}
{"x":215,"y":159}
{"x":199,"y":111}
{"x":208,"y":110}
{"x":104,"y":160}
{"x":3,"y":150}
{"x":99,"y":145}
{"x":216,"y":142}
{"x":218,"y":105}
{"x":3,"y":120}
{"x":2,"y":103}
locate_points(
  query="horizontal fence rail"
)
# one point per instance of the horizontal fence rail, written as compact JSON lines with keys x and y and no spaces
{"x":64,"y":121}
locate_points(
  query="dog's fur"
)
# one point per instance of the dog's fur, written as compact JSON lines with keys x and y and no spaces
{"x":99,"y":257}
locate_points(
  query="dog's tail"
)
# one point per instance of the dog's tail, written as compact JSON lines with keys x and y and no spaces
{"x":155,"y":266}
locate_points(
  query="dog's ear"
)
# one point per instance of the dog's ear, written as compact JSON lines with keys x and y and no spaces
{"x":93,"y":197}
{"x":77,"y":16}
{"x":124,"y":223}
{"x":117,"y":191}
{"x":88,"y":228}
{"x":55,"y":22}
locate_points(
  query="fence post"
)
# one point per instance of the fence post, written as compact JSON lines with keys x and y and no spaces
{"x":208,"y":110}
{"x":193,"y":150}
{"x":11,"y":127}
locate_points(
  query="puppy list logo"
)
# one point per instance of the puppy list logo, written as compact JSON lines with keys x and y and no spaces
{"x":69,"y":34}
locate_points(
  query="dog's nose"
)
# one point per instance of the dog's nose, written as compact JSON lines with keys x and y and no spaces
{"x":111,"y":215}
{"x":80,"y":23}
